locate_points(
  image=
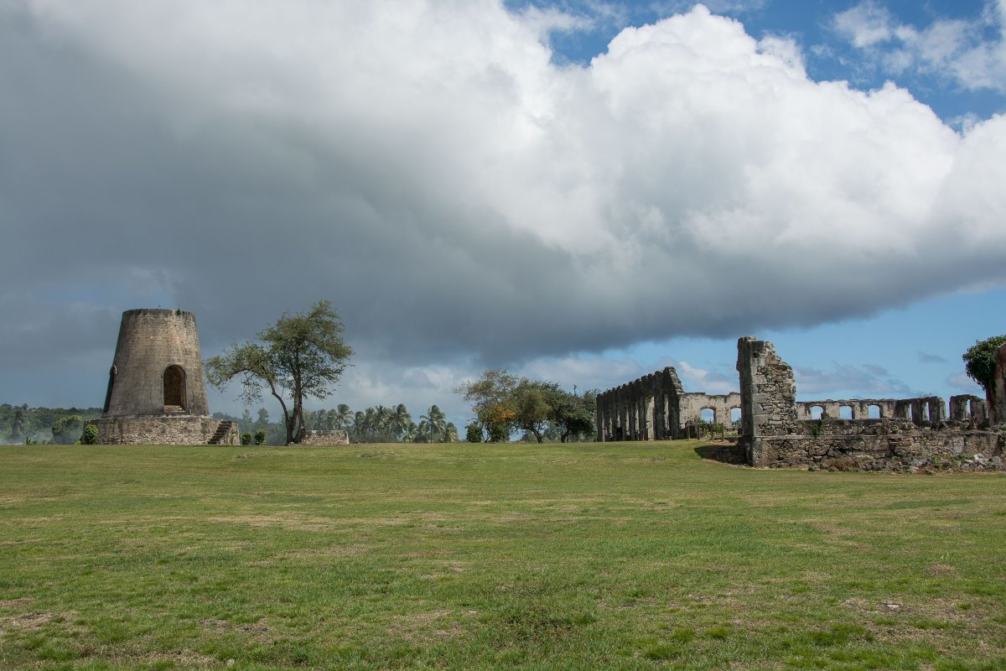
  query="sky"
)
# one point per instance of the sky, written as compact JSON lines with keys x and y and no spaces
{"x":578,"y":191}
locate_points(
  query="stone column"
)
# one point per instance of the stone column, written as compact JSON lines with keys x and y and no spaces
{"x":768,"y":397}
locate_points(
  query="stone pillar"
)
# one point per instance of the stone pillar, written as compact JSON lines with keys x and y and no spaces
{"x":651,"y":426}
{"x":768,"y":396}
{"x":599,"y":417}
{"x":937,"y":410}
{"x":959,"y":408}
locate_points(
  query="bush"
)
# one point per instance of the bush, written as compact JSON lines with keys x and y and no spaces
{"x":259,"y":437}
{"x":90,"y":435}
{"x":246,"y":439}
{"x":473,"y":433}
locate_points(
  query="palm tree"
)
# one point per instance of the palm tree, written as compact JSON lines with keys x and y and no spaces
{"x":436,"y":425}
{"x":343,"y":417}
{"x":400,"y":421}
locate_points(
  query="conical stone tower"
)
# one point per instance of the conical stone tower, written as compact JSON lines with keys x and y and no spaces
{"x":156,"y":393}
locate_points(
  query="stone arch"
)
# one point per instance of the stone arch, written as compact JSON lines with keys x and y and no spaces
{"x":816,"y":411}
{"x":735,"y":415}
{"x":708,"y":415}
{"x":845,"y":412}
{"x":174,"y":387}
{"x":874,"y":411}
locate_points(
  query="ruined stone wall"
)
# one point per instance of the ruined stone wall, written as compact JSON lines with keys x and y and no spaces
{"x":692,"y":404}
{"x":644,"y":409}
{"x":325,"y":438}
{"x":915,"y":435}
{"x":167,"y":430}
{"x":768,"y":396}
{"x":150,"y":341}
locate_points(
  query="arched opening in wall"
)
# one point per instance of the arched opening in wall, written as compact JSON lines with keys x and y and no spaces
{"x":845,"y":412}
{"x":873,"y":412}
{"x":908,"y":412}
{"x":816,"y":411}
{"x":174,"y":388}
{"x":735,"y":417}
{"x":969,"y":410}
{"x":925,"y":412}
{"x":707,"y":415}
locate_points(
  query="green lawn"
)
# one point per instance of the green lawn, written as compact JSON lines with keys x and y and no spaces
{"x":625,"y":556}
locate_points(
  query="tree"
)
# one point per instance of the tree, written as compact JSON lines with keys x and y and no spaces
{"x":980,"y":362}
{"x":473,"y":432}
{"x":263,"y":419}
{"x":299,"y":356}
{"x":573,"y":415}
{"x":492,"y":400}
{"x":434,"y":425}
{"x":532,"y":407}
{"x":19,"y":421}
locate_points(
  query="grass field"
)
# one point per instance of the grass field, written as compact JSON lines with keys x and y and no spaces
{"x":624,"y":556}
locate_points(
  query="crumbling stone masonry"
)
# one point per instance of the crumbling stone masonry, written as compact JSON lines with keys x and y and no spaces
{"x":909,"y":434}
{"x":325,"y":438}
{"x":656,"y":407}
{"x":156,"y":393}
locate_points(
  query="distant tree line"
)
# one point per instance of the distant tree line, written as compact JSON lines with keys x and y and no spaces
{"x":505,"y":405}
{"x":377,"y":424}
{"x":60,"y":426}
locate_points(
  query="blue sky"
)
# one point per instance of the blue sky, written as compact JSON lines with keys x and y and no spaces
{"x":580,"y":190}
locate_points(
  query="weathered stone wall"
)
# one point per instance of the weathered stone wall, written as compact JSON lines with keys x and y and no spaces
{"x":920,"y":410}
{"x":644,"y":409}
{"x":966,"y":407}
{"x":151,"y":341}
{"x":165,"y":430}
{"x":325,"y":438}
{"x":768,"y":396}
{"x":915,"y":434}
{"x":692,"y":405}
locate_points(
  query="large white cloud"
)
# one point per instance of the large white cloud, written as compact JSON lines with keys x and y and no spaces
{"x":455,"y":192}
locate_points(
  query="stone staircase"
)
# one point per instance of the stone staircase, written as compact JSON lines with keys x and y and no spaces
{"x":223,"y":430}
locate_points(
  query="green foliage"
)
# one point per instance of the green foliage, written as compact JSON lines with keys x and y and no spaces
{"x":980,"y":360}
{"x":300,"y":356}
{"x":246,"y":439}
{"x":473,"y":432}
{"x":260,"y":436}
{"x":503,"y":403}
{"x":90,"y":435}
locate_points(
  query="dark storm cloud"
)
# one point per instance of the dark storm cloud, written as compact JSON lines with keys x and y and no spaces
{"x":451,"y":190}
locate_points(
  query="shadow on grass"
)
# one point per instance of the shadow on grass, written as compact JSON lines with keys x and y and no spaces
{"x":727,"y":453}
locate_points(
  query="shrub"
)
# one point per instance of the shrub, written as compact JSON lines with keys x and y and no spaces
{"x":473,"y":433}
{"x":246,"y":439}
{"x":259,"y":437}
{"x":90,"y":435}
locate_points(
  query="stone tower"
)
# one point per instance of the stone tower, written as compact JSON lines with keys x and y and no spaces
{"x":155,"y":391}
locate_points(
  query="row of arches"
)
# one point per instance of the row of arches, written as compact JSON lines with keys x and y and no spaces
{"x":711,"y":416}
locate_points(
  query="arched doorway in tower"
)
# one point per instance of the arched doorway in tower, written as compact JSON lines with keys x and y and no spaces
{"x":174,"y":389}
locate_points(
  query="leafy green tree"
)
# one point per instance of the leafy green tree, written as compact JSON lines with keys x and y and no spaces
{"x":980,"y":361}
{"x":532,"y":405}
{"x":299,"y":356}
{"x":67,"y":429}
{"x":451,"y":433}
{"x":492,"y":399}
{"x":573,"y":416}
{"x":263,"y":419}
{"x":473,"y":432}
